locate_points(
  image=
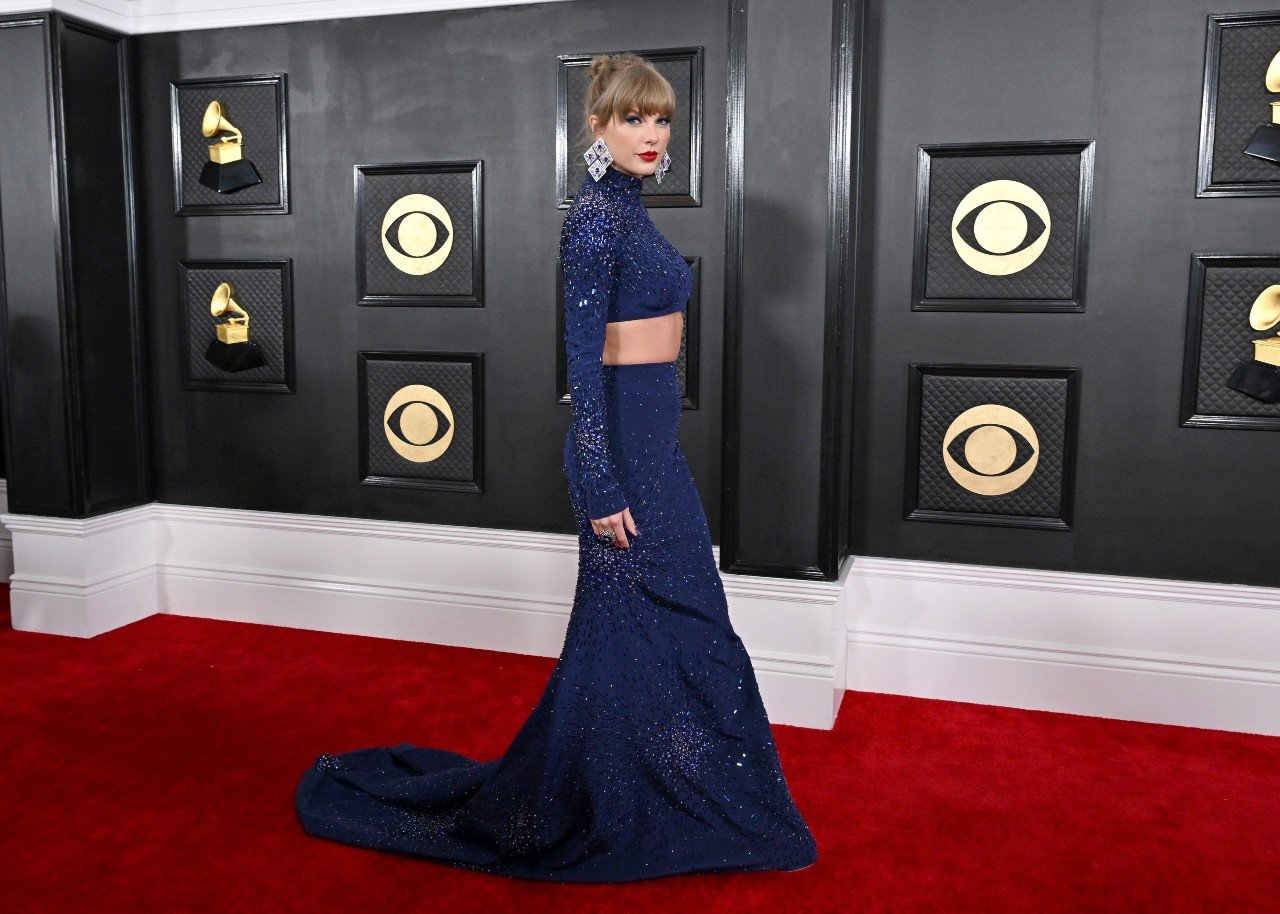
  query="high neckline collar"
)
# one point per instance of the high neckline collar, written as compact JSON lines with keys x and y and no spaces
{"x":619,"y":182}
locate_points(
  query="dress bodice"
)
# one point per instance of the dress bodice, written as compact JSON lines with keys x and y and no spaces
{"x":653,"y":278}
{"x":617,"y":267}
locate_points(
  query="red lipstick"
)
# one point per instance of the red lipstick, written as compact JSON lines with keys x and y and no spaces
{"x":648,"y":156}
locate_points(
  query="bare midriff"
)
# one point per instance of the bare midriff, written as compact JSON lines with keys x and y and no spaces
{"x":646,"y":339}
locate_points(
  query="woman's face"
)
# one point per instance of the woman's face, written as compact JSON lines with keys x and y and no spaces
{"x":636,"y":142}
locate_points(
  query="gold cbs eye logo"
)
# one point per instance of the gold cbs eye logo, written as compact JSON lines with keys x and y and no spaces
{"x":418,"y":423}
{"x":1000,"y":227}
{"x":417,"y":234}
{"x":990,"y":449}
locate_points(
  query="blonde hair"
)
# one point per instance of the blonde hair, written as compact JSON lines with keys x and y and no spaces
{"x":621,"y":83}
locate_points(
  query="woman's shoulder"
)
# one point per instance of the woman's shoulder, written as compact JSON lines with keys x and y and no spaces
{"x":592,"y":213}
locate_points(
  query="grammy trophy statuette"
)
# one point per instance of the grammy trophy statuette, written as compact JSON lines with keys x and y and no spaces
{"x":1265,"y":143}
{"x":227,"y":170}
{"x":1260,"y":378}
{"x":232,"y":350}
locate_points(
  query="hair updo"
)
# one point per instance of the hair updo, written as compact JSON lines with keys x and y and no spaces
{"x":621,"y":83}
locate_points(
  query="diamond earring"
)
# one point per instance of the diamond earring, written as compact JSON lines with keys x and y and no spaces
{"x":598,"y":158}
{"x":662,"y":167}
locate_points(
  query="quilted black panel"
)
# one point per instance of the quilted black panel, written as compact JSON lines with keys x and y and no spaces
{"x":455,"y":192}
{"x":1054,"y":176}
{"x":1043,"y":401}
{"x":454,"y":382}
{"x":251,"y":108}
{"x":1243,"y":102}
{"x":1226,"y":339}
{"x":679,"y":72}
{"x":259,"y":291}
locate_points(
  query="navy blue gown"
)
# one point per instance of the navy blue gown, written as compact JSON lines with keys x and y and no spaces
{"x":649,"y":752}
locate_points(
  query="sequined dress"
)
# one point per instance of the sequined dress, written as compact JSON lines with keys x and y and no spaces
{"x":649,"y":752}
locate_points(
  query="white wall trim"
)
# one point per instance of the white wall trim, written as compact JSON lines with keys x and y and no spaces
{"x":113,"y":14}
{"x":1193,"y":653}
{"x":145,"y":16}
{"x":503,"y":590}
{"x":82,"y":577}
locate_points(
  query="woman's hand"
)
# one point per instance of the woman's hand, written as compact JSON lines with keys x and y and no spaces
{"x":617,"y":524}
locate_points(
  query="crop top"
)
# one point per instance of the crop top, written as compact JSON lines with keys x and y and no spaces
{"x":617,"y":267}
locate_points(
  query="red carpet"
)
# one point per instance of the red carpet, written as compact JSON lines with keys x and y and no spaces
{"x":152,"y":769}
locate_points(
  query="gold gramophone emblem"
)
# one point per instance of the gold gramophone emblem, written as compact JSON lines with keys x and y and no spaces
{"x":1260,"y":378}
{"x":235,"y":329}
{"x":1263,"y":315}
{"x":227,"y":170}
{"x":227,"y":149}
{"x":232,"y":350}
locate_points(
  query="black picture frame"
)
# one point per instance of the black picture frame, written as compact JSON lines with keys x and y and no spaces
{"x":686,"y":363}
{"x":1218,"y":26}
{"x":567,"y":125}
{"x":1075,"y":302}
{"x":1194,"y":349}
{"x":186,"y":171}
{"x":284,"y":383}
{"x":1063,"y":520}
{"x":365,"y":172}
{"x":475,"y":360}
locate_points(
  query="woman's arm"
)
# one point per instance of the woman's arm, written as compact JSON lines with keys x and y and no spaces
{"x":589,"y":257}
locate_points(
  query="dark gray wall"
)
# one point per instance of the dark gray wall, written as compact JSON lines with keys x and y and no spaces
{"x":1151,"y":498}
{"x":74,"y":379}
{"x":35,"y":395}
{"x":786,"y":159}
{"x":449,"y":85}
{"x":108,"y":349}
{"x":789,"y":302}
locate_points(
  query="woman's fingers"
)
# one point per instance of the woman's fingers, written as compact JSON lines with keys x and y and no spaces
{"x":615,"y":524}
{"x":618,"y":525}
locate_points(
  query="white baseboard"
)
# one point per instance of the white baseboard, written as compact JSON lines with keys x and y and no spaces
{"x":142,"y":16}
{"x":82,"y":577}
{"x":1146,"y":649}
{"x":503,"y":590}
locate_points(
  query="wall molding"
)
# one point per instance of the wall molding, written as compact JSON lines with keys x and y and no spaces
{"x":136,"y":17}
{"x":844,"y":181}
{"x":844,"y":163}
{"x":1191,"y":653}
{"x":731,"y":361}
{"x":502,"y":590}
{"x":82,"y":576}
{"x":113,"y":14}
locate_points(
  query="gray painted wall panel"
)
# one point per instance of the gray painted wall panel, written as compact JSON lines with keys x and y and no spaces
{"x":1152,"y":498}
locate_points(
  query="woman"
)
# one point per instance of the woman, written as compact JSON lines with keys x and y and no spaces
{"x":649,"y":752}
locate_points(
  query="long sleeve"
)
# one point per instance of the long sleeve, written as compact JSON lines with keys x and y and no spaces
{"x":589,"y":257}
